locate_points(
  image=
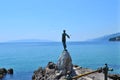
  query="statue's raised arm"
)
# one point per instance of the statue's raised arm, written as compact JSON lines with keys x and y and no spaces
{"x":67,"y":35}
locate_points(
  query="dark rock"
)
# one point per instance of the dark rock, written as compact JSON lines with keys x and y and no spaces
{"x":45,"y":74}
{"x":114,"y":76}
{"x":1,"y":76}
{"x":39,"y":74}
{"x":3,"y":71}
{"x":75,"y":65}
{"x":33,"y":77}
{"x":10,"y":71}
{"x":51,"y":65}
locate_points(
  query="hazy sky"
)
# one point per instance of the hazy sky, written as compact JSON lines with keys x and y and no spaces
{"x":46,"y":19}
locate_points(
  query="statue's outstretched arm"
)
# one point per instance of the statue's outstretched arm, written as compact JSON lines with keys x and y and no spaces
{"x":67,"y":35}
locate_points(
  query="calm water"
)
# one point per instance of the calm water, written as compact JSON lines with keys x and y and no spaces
{"x":24,"y":58}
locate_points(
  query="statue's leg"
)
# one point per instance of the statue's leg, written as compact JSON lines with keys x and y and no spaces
{"x":64,"y":45}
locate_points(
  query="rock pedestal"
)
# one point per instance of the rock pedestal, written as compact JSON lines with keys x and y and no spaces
{"x":64,"y":63}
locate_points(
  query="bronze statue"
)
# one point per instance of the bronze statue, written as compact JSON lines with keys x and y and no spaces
{"x":64,"y":39}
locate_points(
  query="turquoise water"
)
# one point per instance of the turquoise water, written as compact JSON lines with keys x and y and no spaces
{"x":24,"y":58}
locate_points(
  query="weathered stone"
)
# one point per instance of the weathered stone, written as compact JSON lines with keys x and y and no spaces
{"x":3,"y":71}
{"x":64,"y":63}
{"x":114,"y":76}
{"x":33,"y":77}
{"x":10,"y":71}
{"x":51,"y":65}
{"x":1,"y":76}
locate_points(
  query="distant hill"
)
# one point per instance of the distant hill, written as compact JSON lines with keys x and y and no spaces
{"x":117,"y":38}
{"x":106,"y":38}
{"x":31,"y":40}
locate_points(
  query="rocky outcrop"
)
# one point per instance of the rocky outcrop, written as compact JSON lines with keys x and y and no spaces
{"x":49,"y":73}
{"x":55,"y":71}
{"x":10,"y":71}
{"x":4,"y":71}
{"x":53,"y":74}
{"x":64,"y":63}
{"x":64,"y":69}
{"x":114,"y":76}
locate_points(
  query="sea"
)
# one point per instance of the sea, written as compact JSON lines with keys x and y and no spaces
{"x":26,"y":57}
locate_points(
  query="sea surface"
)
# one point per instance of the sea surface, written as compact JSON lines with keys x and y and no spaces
{"x":26,"y":57}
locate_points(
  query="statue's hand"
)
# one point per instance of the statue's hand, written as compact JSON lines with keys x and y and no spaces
{"x":69,"y":37}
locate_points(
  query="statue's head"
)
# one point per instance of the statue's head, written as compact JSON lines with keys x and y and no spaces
{"x":64,"y":31}
{"x":106,"y":64}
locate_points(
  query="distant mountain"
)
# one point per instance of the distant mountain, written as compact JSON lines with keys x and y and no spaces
{"x":31,"y":40}
{"x":117,"y":38}
{"x":106,"y":38}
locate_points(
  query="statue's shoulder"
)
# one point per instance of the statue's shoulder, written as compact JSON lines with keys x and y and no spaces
{"x":63,"y":34}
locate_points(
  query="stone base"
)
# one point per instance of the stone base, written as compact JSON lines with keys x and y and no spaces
{"x":64,"y":63}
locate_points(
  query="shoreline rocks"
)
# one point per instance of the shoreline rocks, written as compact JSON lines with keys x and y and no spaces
{"x":49,"y":73}
{"x":4,"y":71}
{"x":10,"y":71}
{"x":114,"y":76}
{"x":65,"y":70}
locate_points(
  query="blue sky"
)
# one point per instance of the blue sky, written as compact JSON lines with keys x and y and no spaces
{"x":46,"y":19}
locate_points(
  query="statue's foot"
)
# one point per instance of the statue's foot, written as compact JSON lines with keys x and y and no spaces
{"x":65,"y":49}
